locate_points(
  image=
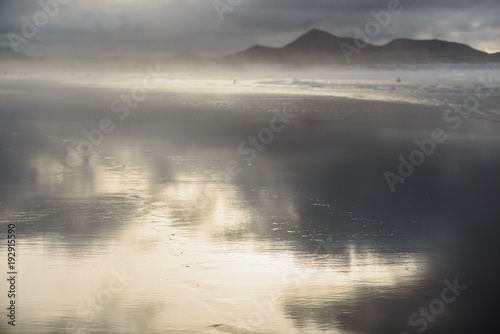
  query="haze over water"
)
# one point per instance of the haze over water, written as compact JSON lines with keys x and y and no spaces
{"x":142,"y":236}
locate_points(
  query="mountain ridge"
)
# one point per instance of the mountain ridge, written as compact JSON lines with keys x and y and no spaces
{"x":318,"y":46}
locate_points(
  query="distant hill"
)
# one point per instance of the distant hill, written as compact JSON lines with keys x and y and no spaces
{"x":9,"y":53}
{"x":317,"y":46}
{"x":314,"y":45}
{"x":427,"y":51}
{"x":186,"y":57}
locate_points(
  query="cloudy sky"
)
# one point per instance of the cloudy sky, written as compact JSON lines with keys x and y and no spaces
{"x":162,"y":27}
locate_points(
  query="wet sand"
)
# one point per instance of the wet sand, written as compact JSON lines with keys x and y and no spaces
{"x":148,"y":234}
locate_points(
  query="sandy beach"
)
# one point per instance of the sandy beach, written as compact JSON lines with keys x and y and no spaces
{"x":163,"y":215}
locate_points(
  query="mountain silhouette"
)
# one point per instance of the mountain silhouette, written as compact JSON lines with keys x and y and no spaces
{"x":316,"y":42}
{"x":319,"y":47}
{"x":9,"y":53}
{"x":429,"y":51}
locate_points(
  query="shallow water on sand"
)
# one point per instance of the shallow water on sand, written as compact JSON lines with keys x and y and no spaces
{"x":143,"y":236}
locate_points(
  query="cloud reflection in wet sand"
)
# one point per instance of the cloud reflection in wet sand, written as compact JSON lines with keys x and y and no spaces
{"x":136,"y":204}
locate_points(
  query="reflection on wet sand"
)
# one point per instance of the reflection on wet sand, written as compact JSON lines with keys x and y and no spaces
{"x":306,"y":239}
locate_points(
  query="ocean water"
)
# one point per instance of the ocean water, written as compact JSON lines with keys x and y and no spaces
{"x":170,"y":218}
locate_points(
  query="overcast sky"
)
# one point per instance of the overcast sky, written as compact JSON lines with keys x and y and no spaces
{"x":163,"y":27}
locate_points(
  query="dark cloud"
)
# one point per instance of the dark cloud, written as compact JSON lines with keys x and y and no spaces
{"x":161,"y":27}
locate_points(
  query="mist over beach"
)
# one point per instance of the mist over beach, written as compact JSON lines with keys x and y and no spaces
{"x":206,"y":168}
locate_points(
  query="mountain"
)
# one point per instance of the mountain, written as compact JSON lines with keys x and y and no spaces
{"x":8,"y":53}
{"x":315,"y":42}
{"x":427,"y":51}
{"x":256,"y":52}
{"x":185,"y":56}
{"x":317,"y":46}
